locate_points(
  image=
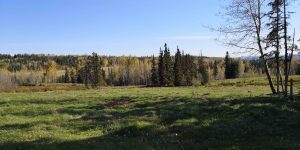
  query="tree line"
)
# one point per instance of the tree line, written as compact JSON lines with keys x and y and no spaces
{"x":180,"y":69}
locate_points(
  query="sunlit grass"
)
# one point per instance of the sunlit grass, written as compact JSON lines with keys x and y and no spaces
{"x":216,"y":116}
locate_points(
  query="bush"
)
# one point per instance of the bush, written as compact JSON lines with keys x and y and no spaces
{"x":5,"y":80}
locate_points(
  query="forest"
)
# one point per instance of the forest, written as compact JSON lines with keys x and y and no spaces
{"x":96,"y":70}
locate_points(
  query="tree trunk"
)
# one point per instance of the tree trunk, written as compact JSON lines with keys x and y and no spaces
{"x":277,"y":49}
{"x":292,"y":53}
{"x":266,"y":66}
{"x":257,"y":21}
{"x":281,"y":81}
{"x":286,"y":53}
{"x":277,"y":71}
{"x":269,"y":76}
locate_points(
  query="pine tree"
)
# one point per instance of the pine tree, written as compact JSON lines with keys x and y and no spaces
{"x":168,"y":66}
{"x":67,"y":76}
{"x":73,"y":76}
{"x":162,"y":69}
{"x":96,"y":71}
{"x":110,"y":79}
{"x":154,"y":75}
{"x":79,"y":78}
{"x":228,"y":67}
{"x":215,"y":69}
{"x":92,"y":71}
{"x":274,"y":37}
{"x":86,"y":73}
{"x":178,"y":73}
{"x":204,"y":71}
{"x":189,"y":69}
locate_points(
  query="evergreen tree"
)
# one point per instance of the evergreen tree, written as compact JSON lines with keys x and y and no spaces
{"x":162,"y":69}
{"x":215,"y":69}
{"x":92,"y":71}
{"x":204,"y":71}
{"x":96,"y":71}
{"x":168,"y":66}
{"x":234,"y":68}
{"x":274,"y":37}
{"x":154,"y":75}
{"x":87,"y":73}
{"x":110,"y":79}
{"x":229,"y":67}
{"x":67,"y":76}
{"x":73,"y":76}
{"x":190,"y":69}
{"x":79,"y":78}
{"x":178,"y":73}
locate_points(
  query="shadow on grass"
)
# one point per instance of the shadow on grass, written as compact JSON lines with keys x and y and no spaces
{"x":182,"y":123}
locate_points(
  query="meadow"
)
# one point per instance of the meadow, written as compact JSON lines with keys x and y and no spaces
{"x":232,"y":114}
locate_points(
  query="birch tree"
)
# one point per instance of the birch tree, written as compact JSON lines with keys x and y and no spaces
{"x":245,"y":28}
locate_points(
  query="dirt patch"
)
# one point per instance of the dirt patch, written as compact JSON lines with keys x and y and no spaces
{"x":118,"y":102}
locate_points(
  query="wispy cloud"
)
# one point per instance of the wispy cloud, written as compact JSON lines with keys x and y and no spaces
{"x":188,"y":37}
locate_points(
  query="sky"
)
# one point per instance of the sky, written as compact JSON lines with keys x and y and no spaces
{"x":111,"y":27}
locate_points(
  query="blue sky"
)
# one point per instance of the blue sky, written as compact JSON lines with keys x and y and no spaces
{"x":109,"y":27}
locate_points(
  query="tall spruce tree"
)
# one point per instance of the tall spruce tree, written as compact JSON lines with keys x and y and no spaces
{"x":73,"y":76}
{"x":228,"y":67}
{"x":215,"y":69}
{"x":274,"y":37}
{"x":96,"y":70}
{"x":154,"y":73}
{"x":162,"y":69}
{"x":168,"y":66}
{"x":67,"y":76}
{"x":87,"y":72}
{"x":92,"y":71}
{"x":189,"y":68}
{"x":203,"y":70}
{"x":178,"y":73}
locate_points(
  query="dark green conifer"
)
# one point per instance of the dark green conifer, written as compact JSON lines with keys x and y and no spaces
{"x":154,"y":73}
{"x":169,"y":66}
{"x":96,"y":70}
{"x":178,"y":73}
{"x":204,"y":71}
{"x":162,"y":69}
{"x":67,"y":76}
{"x":228,"y":67}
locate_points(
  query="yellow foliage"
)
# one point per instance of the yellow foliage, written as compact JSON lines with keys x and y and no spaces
{"x":104,"y":62}
{"x":52,"y":68}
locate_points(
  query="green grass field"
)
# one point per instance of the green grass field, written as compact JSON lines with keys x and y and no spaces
{"x":219,"y":116}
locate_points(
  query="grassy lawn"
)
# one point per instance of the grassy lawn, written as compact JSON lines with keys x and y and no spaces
{"x":220,"y":116}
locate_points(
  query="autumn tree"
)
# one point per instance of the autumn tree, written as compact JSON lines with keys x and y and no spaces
{"x":51,"y":70}
{"x":104,"y":62}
